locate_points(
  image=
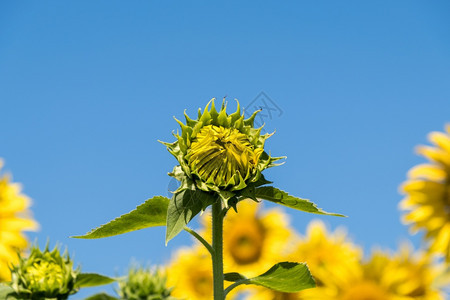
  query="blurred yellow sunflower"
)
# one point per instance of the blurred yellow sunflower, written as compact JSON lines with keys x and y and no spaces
{"x":14,"y":219}
{"x":190,"y":274}
{"x":252,"y":242}
{"x":427,"y":190}
{"x":404,"y":276}
{"x":321,"y":250}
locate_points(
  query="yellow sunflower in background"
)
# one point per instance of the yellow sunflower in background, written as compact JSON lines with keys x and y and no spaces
{"x":252,"y":242}
{"x":427,"y":190}
{"x":404,"y":276}
{"x":14,"y":219}
{"x":321,"y":250}
{"x":190,"y":274}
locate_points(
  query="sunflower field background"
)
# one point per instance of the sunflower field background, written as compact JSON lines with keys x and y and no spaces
{"x":351,"y":89}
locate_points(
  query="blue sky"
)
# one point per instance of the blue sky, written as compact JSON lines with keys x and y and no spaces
{"x":88,"y":87}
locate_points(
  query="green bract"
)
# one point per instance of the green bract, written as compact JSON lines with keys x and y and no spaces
{"x":46,"y":274}
{"x":144,"y":284}
{"x":220,"y":153}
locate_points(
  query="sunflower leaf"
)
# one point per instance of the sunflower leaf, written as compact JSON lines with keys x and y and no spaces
{"x":278,"y":196}
{"x":7,"y":292}
{"x":151,"y":213}
{"x":250,"y":190}
{"x":233,"y":276}
{"x":92,"y":279}
{"x":286,"y":277}
{"x":261,"y":181}
{"x":184,"y":206}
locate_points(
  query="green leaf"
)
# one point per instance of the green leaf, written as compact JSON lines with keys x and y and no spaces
{"x":281,"y":197}
{"x":249,"y":191}
{"x":101,"y":296}
{"x":184,"y":206}
{"x":233,"y":276}
{"x":286,"y":277}
{"x":92,"y":279}
{"x":261,"y":181}
{"x":151,"y":213}
{"x":7,"y":292}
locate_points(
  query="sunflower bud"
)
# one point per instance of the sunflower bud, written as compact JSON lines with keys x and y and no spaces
{"x":44,"y":275}
{"x":144,"y":284}
{"x":220,"y":153}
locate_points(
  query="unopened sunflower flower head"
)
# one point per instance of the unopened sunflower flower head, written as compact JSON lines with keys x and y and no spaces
{"x":145,"y":284}
{"x":220,"y":153}
{"x":44,"y":275}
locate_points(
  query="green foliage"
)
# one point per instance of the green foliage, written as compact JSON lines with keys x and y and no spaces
{"x":184,"y":206}
{"x":144,"y":284}
{"x":281,"y":197}
{"x":286,"y":277}
{"x":7,"y":292}
{"x":233,"y":276}
{"x":151,"y":213}
{"x":92,"y":279}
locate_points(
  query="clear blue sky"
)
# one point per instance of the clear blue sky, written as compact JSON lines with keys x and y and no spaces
{"x":88,"y":87}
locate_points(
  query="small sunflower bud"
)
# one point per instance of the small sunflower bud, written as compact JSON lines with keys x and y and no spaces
{"x":44,"y":275}
{"x":144,"y":284}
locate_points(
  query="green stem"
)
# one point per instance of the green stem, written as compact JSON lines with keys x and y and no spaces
{"x":217,"y":244}
{"x":200,"y":239}
{"x":237,"y":283}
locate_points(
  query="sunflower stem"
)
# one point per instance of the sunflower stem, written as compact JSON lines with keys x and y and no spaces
{"x":237,"y":283}
{"x":217,"y":244}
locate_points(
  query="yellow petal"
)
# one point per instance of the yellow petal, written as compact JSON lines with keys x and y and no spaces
{"x":442,"y":241}
{"x":13,"y":239}
{"x":423,"y":186}
{"x":427,"y":171}
{"x":435,"y":223}
{"x":15,"y":204}
{"x":5,"y":273}
{"x":435,"y":154}
{"x":17,"y":224}
{"x":7,"y":253}
{"x":440,"y":139}
{"x":420,"y":214}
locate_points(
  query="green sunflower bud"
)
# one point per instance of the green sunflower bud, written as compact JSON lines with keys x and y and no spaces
{"x":144,"y":284}
{"x":44,"y":275}
{"x":220,"y":153}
